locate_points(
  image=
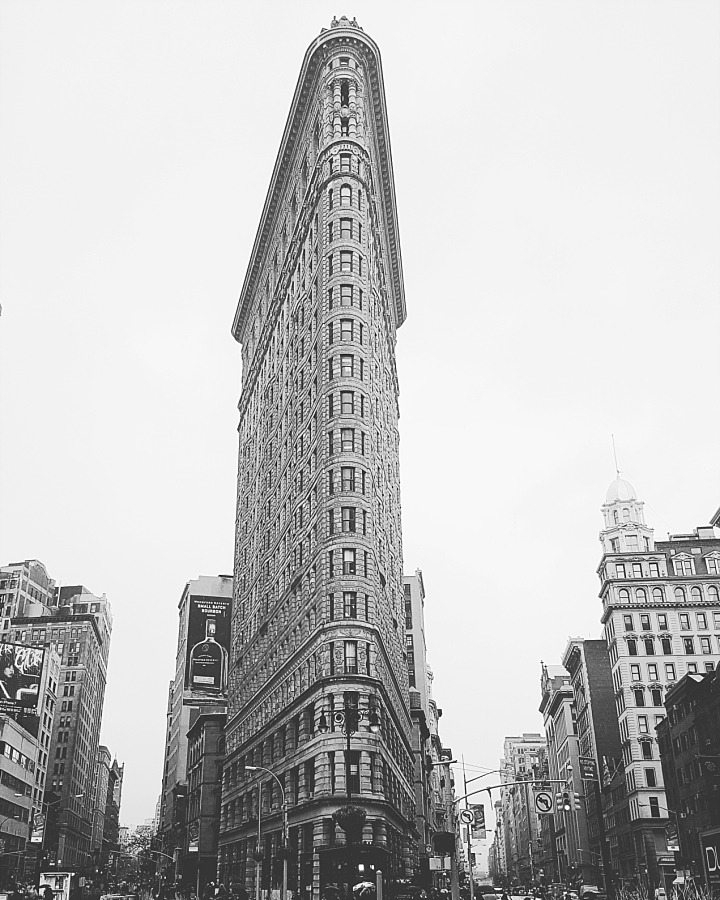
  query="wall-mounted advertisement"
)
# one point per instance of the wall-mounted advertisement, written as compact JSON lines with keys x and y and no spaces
{"x":20,"y":675}
{"x":208,"y":647}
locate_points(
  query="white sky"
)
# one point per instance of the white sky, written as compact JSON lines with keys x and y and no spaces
{"x":558,"y":182}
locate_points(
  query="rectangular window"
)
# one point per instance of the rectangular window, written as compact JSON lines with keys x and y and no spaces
{"x":331,"y":406}
{"x":649,"y":647}
{"x":619,"y":570}
{"x":670,"y":671}
{"x":331,"y":371}
{"x":652,"y":672}
{"x":346,"y":365}
{"x":349,"y":563}
{"x":348,"y":519}
{"x":347,"y":440}
{"x":330,"y":265}
{"x":685,"y":621}
{"x":688,"y":646}
{"x":410,"y":650}
{"x":639,"y":697}
{"x":705,"y":647}
{"x":645,"y":622}
{"x":347,"y":474}
{"x":354,"y":771}
{"x":713,"y":565}
{"x":683,"y":566}
{"x":654,"y":570}
{"x":628,"y":623}
{"x":650,"y":778}
{"x":637,"y":570}
{"x":643,"y":726}
{"x":346,"y":261}
{"x":346,"y":295}
{"x":646,"y":748}
{"x":635,"y":672}
{"x":701,"y":621}
{"x":347,"y":403}
{"x":349,"y":604}
{"x":330,"y":233}
{"x":657,"y":697}
{"x":666,"y":646}
{"x":331,"y":521}
{"x":655,"y":807}
{"x":346,"y":229}
{"x":632,"y":647}
{"x":351,"y":658}
{"x":662,"y":621}
{"x":346,"y":329}
{"x":344,"y":157}
{"x":631,"y":541}
{"x":331,"y":566}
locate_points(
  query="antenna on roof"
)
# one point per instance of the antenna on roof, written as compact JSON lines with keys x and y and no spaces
{"x":617,"y":470}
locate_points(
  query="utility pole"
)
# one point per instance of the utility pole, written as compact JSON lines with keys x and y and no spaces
{"x":469,"y":834}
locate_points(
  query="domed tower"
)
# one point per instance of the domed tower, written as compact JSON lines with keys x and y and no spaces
{"x":318,"y":679}
{"x":625,"y":530}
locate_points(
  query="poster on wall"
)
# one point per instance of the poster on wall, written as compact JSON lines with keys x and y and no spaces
{"x":208,"y":647}
{"x":20,"y":675}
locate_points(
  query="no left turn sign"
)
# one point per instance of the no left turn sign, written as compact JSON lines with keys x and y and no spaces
{"x":466,"y":816}
{"x":543,"y":803}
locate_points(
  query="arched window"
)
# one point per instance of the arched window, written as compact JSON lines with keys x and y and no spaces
{"x":696,"y":595}
{"x":345,"y":195}
{"x":679,"y":595}
{"x":626,"y":514}
{"x":616,"y":517}
{"x":624,"y":595}
{"x":658,"y":595}
{"x":641,"y":595}
{"x":713,"y":593}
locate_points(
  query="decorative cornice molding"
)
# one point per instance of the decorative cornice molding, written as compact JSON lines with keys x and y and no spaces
{"x":305,"y":90}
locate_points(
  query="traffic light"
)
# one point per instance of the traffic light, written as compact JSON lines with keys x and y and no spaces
{"x":566,"y":804}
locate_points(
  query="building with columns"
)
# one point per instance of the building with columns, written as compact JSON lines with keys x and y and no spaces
{"x":661,"y":615}
{"x":318,"y":638}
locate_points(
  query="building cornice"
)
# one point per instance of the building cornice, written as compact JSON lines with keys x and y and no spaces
{"x":305,"y":92}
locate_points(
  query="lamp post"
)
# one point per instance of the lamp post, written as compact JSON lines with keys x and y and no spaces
{"x":349,"y":720}
{"x":285,"y":827}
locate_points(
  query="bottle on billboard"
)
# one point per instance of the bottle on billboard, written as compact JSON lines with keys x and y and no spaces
{"x":208,"y":663}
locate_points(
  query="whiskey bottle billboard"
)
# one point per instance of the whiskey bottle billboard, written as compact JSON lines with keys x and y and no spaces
{"x":208,"y":644}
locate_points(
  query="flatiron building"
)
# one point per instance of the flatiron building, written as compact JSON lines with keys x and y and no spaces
{"x":318,"y":636}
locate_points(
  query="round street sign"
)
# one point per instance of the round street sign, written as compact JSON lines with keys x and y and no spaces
{"x":543,"y":802}
{"x":466,"y":816}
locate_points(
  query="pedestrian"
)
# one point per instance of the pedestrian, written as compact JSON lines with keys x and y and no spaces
{"x":47,"y":893}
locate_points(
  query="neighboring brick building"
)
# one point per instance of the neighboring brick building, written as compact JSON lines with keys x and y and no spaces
{"x":598,"y":735}
{"x":661,"y":612}
{"x":571,"y":852}
{"x":206,"y":749}
{"x":318,"y":597}
{"x":689,"y":740}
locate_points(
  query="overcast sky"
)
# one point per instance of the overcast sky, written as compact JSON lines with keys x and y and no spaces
{"x":558,"y":183}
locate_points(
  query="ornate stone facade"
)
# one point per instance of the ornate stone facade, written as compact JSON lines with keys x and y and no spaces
{"x":318,"y":603}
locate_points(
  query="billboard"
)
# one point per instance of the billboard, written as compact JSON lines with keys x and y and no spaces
{"x":710,"y":843}
{"x":208,"y":646}
{"x":20,"y":673}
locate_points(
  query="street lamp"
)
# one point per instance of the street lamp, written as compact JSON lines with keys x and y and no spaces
{"x":349,"y":720}
{"x":285,"y":830}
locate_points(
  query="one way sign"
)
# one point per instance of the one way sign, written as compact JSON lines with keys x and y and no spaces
{"x":543,"y":803}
